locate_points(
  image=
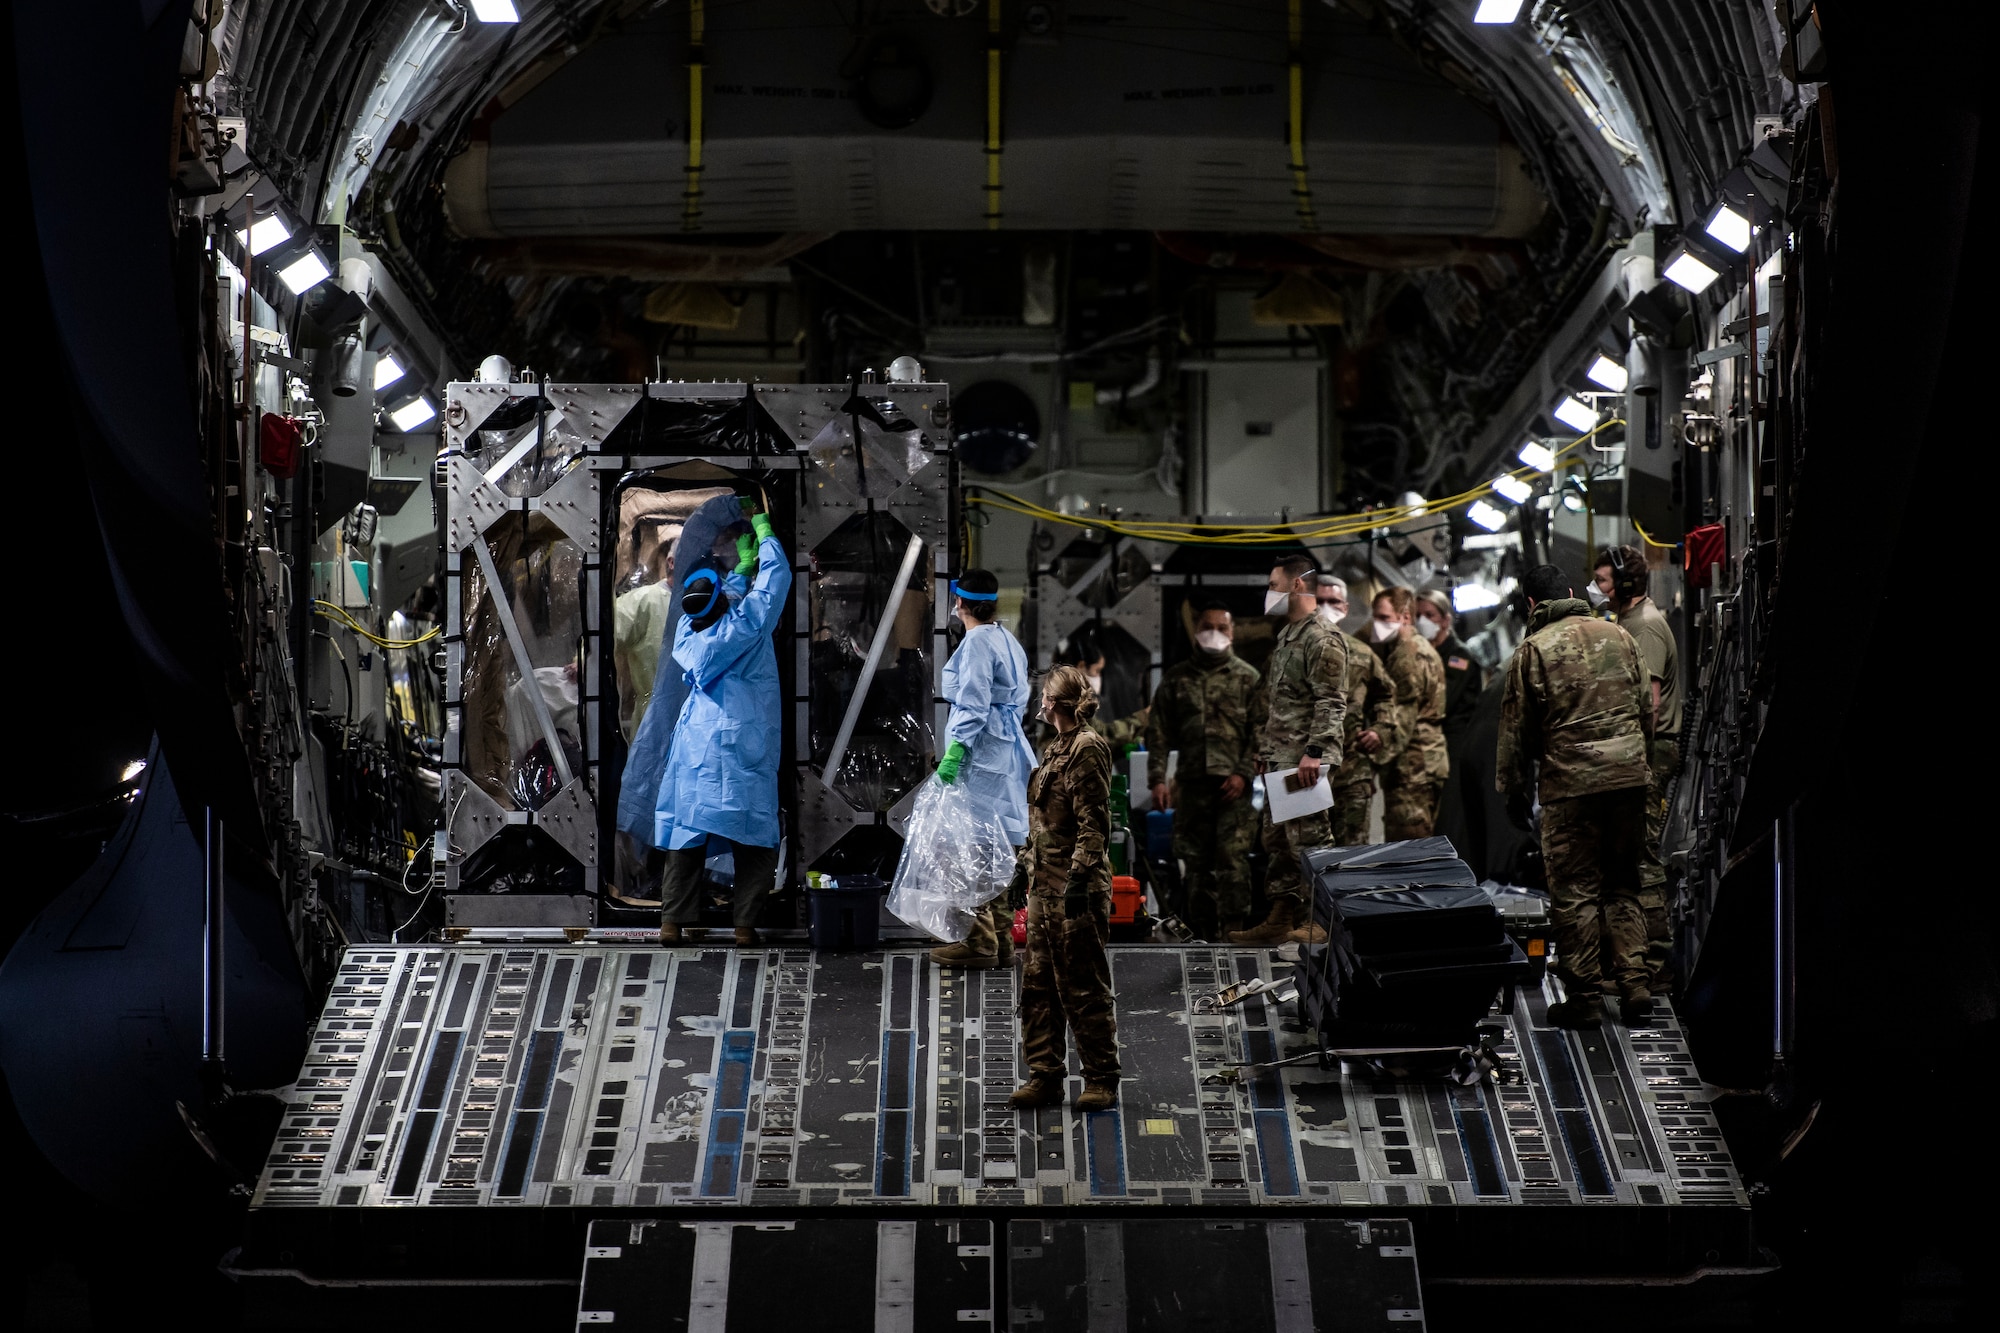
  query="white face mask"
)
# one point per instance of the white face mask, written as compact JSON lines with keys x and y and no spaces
{"x":1427,"y":627}
{"x":1597,"y":598}
{"x":1386,"y":630}
{"x":1329,"y":613}
{"x":1213,"y":640}
{"x":1276,"y":603}
{"x":1096,"y":684}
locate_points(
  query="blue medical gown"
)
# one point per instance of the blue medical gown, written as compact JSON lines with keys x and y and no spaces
{"x":986,"y":684}
{"x":721,"y":775}
{"x":646,"y":758}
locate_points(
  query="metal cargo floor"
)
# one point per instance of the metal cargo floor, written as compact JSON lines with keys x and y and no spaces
{"x":513,"y":1081}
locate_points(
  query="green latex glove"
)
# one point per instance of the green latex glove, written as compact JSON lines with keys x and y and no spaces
{"x":947,"y":769}
{"x":746,"y":554}
{"x":761,"y":521}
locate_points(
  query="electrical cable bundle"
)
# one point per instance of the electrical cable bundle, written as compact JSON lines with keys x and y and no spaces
{"x":339,"y":616}
{"x":1306,"y":532}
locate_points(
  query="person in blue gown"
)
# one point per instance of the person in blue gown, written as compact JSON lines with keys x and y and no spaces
{"x":721,"y":774}
{"x":986,"y":683}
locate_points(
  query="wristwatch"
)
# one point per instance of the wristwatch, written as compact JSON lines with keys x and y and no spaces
{"x":1315,"y":752}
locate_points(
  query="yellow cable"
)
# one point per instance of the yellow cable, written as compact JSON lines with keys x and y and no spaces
{"x":1301,"y":190}
{"x":339,"y":615}
{"x":1647,"y":538}
{"x":697,"y":31}
{"x":1260,"y":534}
{"x":992,"y":115}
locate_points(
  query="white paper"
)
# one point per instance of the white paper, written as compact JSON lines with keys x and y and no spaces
{"x":1286,"y":804}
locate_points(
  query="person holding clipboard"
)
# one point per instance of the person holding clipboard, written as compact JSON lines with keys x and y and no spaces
{"x":1300,"y":747}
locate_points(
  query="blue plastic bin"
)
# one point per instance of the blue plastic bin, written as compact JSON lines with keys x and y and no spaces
{"x":1160,"y":837}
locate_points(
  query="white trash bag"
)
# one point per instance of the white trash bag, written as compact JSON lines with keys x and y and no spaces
{"x":956,"y":859}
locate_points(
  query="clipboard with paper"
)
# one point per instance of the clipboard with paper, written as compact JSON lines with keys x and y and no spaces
{"x":1286,"y":800}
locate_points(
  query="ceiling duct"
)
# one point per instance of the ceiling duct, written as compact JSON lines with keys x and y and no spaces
{"x":1143,"y":116}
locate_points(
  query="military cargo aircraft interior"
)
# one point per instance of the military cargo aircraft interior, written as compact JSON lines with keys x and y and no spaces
{"x":910,"y":664}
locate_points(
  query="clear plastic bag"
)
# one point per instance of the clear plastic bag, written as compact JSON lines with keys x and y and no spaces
{"x":956,"y":859}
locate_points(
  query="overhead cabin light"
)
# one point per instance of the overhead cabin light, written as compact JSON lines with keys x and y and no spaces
{"x":1473,"y":597}
{"x":387,"y":371}
{"x":1537,"y":456}
{"x":305,"y":273}
{"x":498,"y":11}
{"x":132,"y":770}
{"x":1729,"y":227}
{"x":1606,"y":373}
{"x":1686,"y":271}
{"x":1486,"y":516}
{"x":264,"y":234}
{"x":412,"y":414}
{"x":1497,"y":11}
{"x":1576,"y":414}
{"x":1513,"y":488}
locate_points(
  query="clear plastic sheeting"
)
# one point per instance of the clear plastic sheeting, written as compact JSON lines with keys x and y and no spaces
{"x":892,"y":449}
{"x":891,"y":747}
{"x":712,"y":426}
{"x":956,"y":859}
{"x":644,"y":611}
{"x":525,"y":458}
{"x":505,"y":750}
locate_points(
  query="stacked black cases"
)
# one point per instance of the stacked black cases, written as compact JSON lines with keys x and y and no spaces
{"x":1415,"y":950}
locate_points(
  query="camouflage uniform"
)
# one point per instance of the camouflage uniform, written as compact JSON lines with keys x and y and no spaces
{"x":1122,"y":732}
{"x":1306,"y":683}
{"x":1657,"y":649}
{"x":1576,"y":705}
{"x":1208,"y":708}
{"x":1371,"y":705}
{"x":1413,"y":777}
{"x":1665,"y":756}
{"x":1068,"y":976}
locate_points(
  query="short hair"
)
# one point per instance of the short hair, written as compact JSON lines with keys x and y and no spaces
{"x":1295,"y":566}
{"x":1402,"y":599}
{"x":1437,"y":597}
{"x":1334,"y":581}
{"x":1069,"y":689}
{"x":1212,"y":604}
{"x":1627,"y":564}
{"x":980,"y":580}
{"x":1546,"y":583}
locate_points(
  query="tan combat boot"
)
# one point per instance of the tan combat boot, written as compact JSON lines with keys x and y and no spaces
{"x":963,"y":955}
{"x":1276,"y":928}
{"x":1585,"y":1010}
{"x":670,"y":934}
{"x":746,"y":937}
{"x":1040,"y":1090}
{"x":1308,"y":931}
{"x":1098,"y":1094}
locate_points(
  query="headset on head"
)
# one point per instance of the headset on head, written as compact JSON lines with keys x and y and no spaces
{"x":1624,"y":579}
